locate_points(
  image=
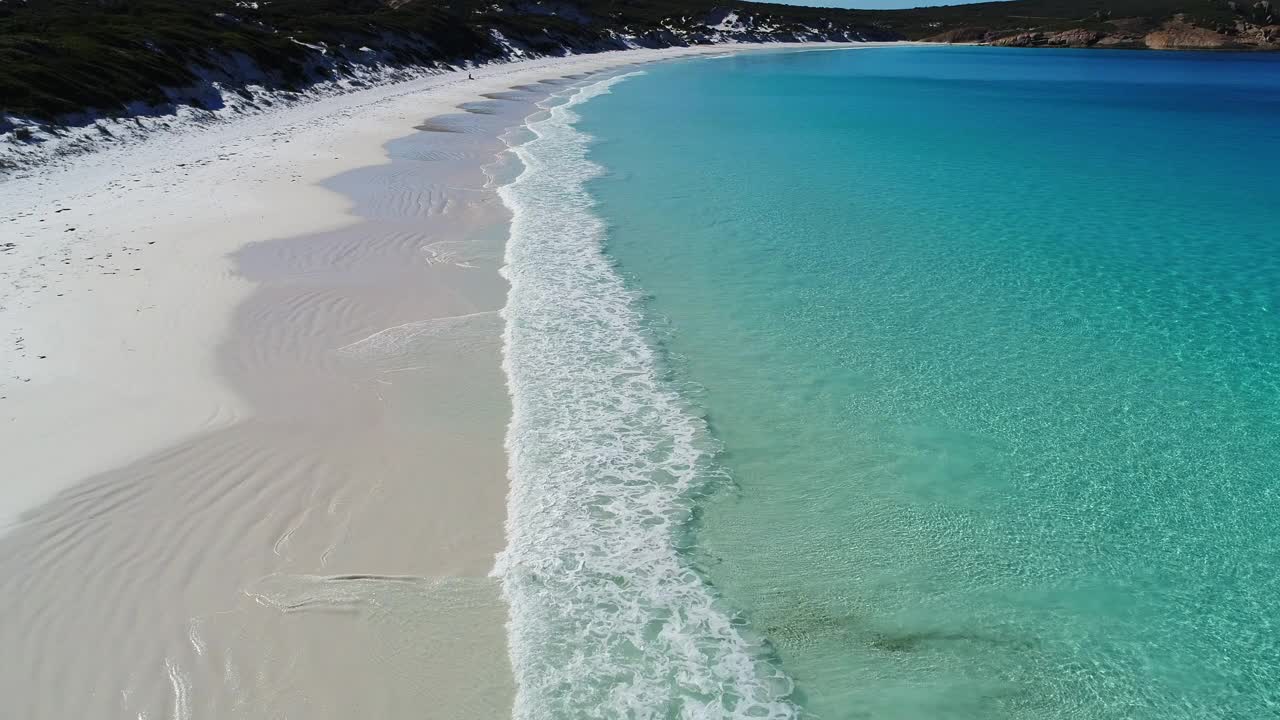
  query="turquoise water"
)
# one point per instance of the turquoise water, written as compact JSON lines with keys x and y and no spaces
{"x":989,"y":342}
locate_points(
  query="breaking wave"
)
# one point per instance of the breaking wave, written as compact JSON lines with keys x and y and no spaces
{"x":608,"y":620}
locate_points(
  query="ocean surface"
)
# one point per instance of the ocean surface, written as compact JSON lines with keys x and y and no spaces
{"x":899,"y":383}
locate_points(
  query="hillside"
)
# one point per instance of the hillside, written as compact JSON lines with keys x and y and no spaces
{"x":1156,"y":24}
{"x":68,"y":61}
{"x":116,"y":56}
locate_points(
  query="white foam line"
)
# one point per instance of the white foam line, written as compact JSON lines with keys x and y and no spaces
{"x":415,"y":327}
{"x":181,"y":691}
{"x":607,"y":618}
{"x":193,"y":634}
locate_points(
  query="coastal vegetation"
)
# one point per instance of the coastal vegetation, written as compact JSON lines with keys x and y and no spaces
{"x":66,"y":56}
{"x":66,"y":61}
{"x":1155,"y":24}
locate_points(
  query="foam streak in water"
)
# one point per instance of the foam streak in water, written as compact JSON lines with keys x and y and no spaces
{"x":607,"y":619}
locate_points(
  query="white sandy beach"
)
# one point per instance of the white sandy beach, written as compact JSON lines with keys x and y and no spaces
{"x":251,"y":412}
{"x":118,"y":287}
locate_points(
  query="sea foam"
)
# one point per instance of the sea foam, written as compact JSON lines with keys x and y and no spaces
{"x":607,"y":618}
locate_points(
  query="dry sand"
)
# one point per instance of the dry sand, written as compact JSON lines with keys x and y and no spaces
{"x":253,"y":411}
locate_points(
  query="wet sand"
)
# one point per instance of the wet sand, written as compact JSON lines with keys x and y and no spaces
{"x":326,"y":555}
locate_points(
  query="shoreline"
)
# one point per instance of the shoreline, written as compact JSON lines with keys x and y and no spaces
{"x":603,"y":468}
{"x":78,"y":245}
{"x":218,"y":478}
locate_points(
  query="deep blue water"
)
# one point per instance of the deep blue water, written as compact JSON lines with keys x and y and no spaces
{"x":990,"y":343}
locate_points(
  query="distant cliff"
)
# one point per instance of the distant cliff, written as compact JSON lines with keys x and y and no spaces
{"x":70,"y":62}
{"x":1155,"y":24}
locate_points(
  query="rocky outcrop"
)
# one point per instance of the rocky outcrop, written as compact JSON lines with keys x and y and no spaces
{"x":1179,"y":35}
{"x":960,"y":35}
{"x":1078,"y":37}
{"x":1030,"y":39}
{"x":1263,"y":36}
{"x":1067,"y":38}
{"x":1204,"y":25}
{"x":1120,"y":40}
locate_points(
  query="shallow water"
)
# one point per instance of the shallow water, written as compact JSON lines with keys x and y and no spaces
{"x":989,"y":338}
{"x":607,"y":620}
